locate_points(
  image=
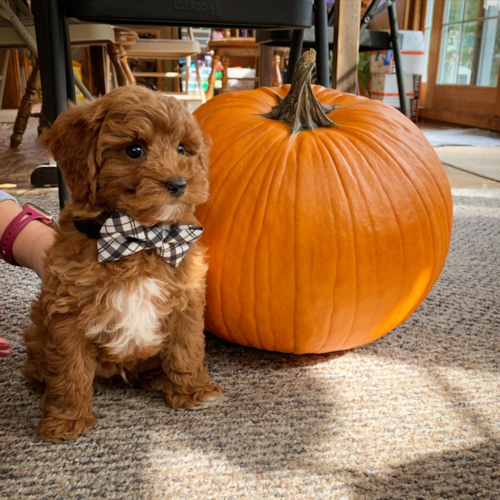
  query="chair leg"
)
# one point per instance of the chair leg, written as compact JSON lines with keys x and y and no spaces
{"x":393,"y":22}
{"x":321,"y":35}
{"x":56,"y":73}
{"x":3,"y":72}
{"x":24,"y":111}
{"x":125,"y":66}
{"x":278,"y":79}
{"x":200,"y":83}
{"x":114,"y":55}
{"x":295,"y":52}
{"x":265,"y":67}
{"x":197,"y":67}
{"x":186,"y":78}
{"x":213,"y":75}
{"x":225,"y":63}
{"x":42,"y":123}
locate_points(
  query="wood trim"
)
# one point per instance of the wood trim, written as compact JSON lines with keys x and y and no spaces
{"x":414,"y":14}
{"x":94,"y":72}
{"x":434,"y":49}
{"x":407,"y":14}
{"x":487,"y":122}
{"x":497,"y":102}
{"x":423,"y":15}
{"x":13,"y":89}
{"x":346,"y":45}
{"x":468,"y":99}
{"x":265,"y":66}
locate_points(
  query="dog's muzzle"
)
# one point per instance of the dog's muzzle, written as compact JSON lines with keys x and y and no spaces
{"x":176,"y":187}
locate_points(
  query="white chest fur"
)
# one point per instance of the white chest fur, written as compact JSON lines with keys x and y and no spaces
{"x":130,"y":317}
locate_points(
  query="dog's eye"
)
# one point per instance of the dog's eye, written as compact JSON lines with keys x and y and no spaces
{"x":135,"y":151}
{"x":180,"y":149}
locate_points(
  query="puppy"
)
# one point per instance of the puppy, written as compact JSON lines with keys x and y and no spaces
{"x":124,"y":291}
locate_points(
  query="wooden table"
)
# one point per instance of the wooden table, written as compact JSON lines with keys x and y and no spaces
{"x":223,"y":49}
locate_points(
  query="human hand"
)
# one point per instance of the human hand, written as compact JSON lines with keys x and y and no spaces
{"x":31,"y":243}
{"x":5,"y":348}
{"x":30,"y":248}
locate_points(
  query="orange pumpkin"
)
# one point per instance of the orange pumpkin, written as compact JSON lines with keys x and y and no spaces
{"x":330,"y":217}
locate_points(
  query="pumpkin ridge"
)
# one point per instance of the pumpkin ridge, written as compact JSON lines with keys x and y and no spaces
{"x":232,"y":169}
{"x":432,"y":222}
{"x":437,"y":184}
{"x":422,"y":208}
{"x":294,"y":225}
{"x":222,"y":184}
{"x":403,"y":247}
{"x":235,"y":141}
{"x":321,"y":141}
{"x":422,"y":163}
{"x":230,"y":223}
{"x":433,"y":228}
{"x":347,"y":199}
{"x":267,"y":164}
{"x":431,"y":172}
{"x":284,"y":150}
{"x":436,"y":232}
{"x":390,"y":201}
{"x":286,"y":144}
{"x":439,"y":258}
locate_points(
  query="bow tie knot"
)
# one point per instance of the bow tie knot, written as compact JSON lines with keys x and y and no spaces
{"x":121,"y":236}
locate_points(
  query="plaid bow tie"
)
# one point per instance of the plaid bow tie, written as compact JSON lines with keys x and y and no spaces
{"x":120,"y":236}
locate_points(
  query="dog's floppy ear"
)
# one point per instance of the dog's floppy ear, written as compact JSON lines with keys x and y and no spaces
{"x":72,"y":143}
{"x":205,"y":152}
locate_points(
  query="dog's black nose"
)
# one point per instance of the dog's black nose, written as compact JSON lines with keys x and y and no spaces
{"x":176,"y":187}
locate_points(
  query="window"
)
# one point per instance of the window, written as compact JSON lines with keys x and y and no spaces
{"x":427,"y":35}
{"x":470,"y":44}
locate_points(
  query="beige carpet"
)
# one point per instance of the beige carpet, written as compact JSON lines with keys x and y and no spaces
{"x":483,"y":161}
{"x":415,"y":415}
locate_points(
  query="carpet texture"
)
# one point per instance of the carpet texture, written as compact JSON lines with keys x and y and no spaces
{"x":480,"y":161}
{"x":414,"y":415}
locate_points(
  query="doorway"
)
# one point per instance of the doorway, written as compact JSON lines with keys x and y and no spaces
{"x":464,"y":58}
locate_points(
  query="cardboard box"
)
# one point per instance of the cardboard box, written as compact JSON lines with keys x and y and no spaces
{"x":384,"y":88}
{"x":412,"y":56}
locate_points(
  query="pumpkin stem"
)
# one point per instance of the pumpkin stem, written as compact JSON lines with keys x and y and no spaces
{"x":300,"y":109}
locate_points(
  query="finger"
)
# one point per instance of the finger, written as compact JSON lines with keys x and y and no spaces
{"x":5,"y":348}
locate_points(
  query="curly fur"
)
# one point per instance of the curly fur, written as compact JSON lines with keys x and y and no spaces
{"x":139,"y":317}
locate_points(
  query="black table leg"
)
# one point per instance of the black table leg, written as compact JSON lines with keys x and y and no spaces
{"x":54,"y":55}
{"x":322,"y":47}
{"x":393,"y":21}
{"x":295,"y":51}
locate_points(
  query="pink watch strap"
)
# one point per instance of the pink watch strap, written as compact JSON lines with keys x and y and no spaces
{"x":14,"y":228}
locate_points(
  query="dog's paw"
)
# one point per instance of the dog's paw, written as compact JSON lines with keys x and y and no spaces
{"x":200,"y":398}
{"x":57,"y":430}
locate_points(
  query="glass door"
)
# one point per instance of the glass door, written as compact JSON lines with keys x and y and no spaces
{"x":464,"y":55}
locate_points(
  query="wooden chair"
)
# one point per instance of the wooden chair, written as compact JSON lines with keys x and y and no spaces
{"x":19,"y":32}
{"x":80,"y":34}
{"x":170,"y":50}
{"x":236,"y":44}
{"x":124,"y":37}
{"x":232,"y":45}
